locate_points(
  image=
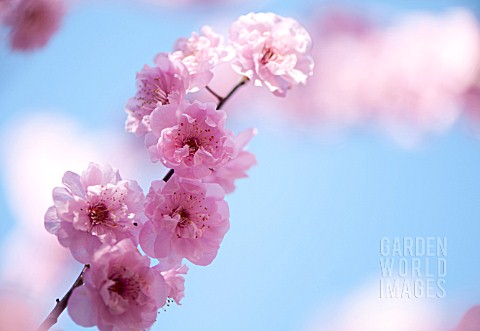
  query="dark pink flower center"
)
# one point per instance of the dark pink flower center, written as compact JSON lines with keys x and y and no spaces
{"x":192,"y":218}
{"x":193,"y":145}
{"x":268,"y":54}
{"x":127,"y":288}
{"x":99,"y":214}
{"x":184,"y":217}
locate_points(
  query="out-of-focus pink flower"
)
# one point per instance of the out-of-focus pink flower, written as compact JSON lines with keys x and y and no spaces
{"x":33,"y":22}
{"x":120,"y":291}
{"x":471,"y":320}
{"x":201,"y":53}
{"x":192,"y":139}
{"x":272,"y":51}
{"x":166,"y":83}
{"x":237,"y":167}
{"x":187,"y":219}
{"x":408,"y":79}
{"x":175,"y":282}
{"x":97,"y":207}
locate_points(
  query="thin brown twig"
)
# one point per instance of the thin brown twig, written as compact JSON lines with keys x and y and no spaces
{"x":242,"y":82}
{"x":168,"y":175}
{"x":52,"y":318}
{"x":219,"y":98}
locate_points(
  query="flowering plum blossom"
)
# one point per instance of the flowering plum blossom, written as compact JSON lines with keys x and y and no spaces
{"x":175,"y":281}
{"x":191,"y":140}
{"x":165,"y":83}
{"x":121,"y":291}
{"x":272,"y":51}
{"x":237,"y":167}
{"x":201,"y":53}
{"x":187,"y":219}
{"x":94,"y":208}
{"x":33,"y":22}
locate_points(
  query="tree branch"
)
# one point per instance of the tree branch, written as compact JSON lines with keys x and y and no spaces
{"x":52,"y":318}
{"x":221,"y":101}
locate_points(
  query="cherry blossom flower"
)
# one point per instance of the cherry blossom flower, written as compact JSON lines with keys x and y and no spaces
{"x":201,"y":53}
{"x":192,"y":139}
{"x":120,"y":292}
{"x":272,"y":51}
{"x":237,"y":167}
{"x":166,"y":83}
{"x":175,"y":282}
{"x":33,"y":22}
{"x":187,"y":219}
{"x":97,"y":207}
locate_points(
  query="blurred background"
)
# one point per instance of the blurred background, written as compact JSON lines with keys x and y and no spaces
{"x":383,"y":142}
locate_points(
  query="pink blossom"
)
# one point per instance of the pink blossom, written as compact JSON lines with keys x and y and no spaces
{"x":471,"y":320}
{"x":237,"y":167}
{"x":192,"y":139}
{"x":97,"y":207}
{"x":120,"y":292}
{"x":272,"y":51}
{"x":201,"y":53}
{"x":166,"y":83}
{"x":187,"y":219}
{"x":33,"y":22}
{"x":175,"y":282}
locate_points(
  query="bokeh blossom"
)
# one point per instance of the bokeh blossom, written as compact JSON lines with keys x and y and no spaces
{"x":187,"y":219}
{"x":94,"y":208}
{"x":237,"y":167}
{"x":192,"y":139}
{"x":471,"y":320}
{"x":272,"y":51}
{"x":165,"y":83}
{"x":407,"y":78}
{"x":33,"y":22}
{"x":121,"y":291}
{"x":201,"y":53}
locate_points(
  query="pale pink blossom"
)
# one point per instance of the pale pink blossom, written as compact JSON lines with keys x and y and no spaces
{"x":272,"y":51}
{"x":175,"y":282}
{"x":120,"y":291}
{"x":166,"y":83}
{"x":471,"y":320}
{"x":187,"y":219}
{"x":94,"y":208}
{"x":201,"y":53}
{"x":237,"y":167}
{"x":191,"y":139}
{"x":33,"y":22}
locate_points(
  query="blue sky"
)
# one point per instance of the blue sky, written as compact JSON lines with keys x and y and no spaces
{"x":306,"y":226}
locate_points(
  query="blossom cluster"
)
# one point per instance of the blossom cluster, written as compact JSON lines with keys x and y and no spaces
{"x":104,"y":219}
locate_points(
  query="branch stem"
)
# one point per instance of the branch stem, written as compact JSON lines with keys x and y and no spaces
{"x":242,"y":82}
{"x":168,"y":175}
{"x":52,"y":318}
